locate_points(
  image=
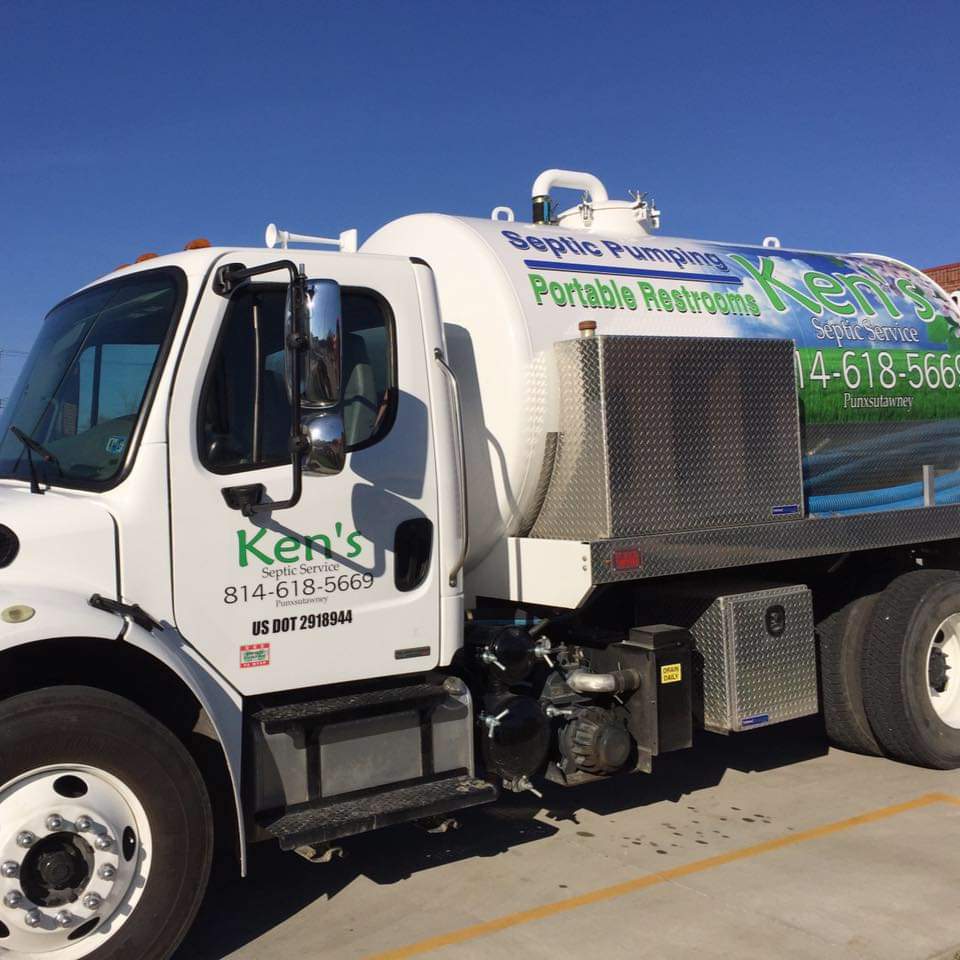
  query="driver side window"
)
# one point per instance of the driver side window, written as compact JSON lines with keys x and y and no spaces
{"x":244,"y":408}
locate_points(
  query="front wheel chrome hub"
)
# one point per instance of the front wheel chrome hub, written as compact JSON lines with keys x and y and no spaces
{"x":75,"y":853}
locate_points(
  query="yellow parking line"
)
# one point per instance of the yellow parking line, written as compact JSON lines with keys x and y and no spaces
{"x":946,"y":798}
{"x":653,"y":879}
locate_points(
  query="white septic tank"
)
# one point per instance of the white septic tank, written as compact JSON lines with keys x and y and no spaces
{"x":877,"y":351}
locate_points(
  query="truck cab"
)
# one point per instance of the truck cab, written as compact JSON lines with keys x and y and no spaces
{"x":178,"y":398}
{"x":154,"y":497}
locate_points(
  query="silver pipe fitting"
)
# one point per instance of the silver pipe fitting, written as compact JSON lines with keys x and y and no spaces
{"x":620,"y":681}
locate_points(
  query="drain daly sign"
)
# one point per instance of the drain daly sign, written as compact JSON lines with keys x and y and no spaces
{"x":876,"y":340}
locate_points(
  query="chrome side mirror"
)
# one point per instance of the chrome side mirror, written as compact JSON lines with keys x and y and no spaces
{"x":326,"y":450}
{"x":320,"y":385}
{"x":315,"y":338}
{"x":315,"y":345}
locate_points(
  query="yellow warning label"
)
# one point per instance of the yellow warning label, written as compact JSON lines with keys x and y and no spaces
{"x":670,"y":673}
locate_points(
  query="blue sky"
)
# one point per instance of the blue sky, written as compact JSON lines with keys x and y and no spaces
{"x":129,"y":127}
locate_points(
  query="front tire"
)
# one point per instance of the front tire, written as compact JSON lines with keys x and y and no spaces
{"x":106,"y":831}
{"x":911,"y":669}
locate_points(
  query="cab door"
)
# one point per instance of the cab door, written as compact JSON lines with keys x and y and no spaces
{"x":344,"y":585}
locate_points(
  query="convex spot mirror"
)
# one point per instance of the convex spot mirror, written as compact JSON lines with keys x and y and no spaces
{"x":314,"y":362}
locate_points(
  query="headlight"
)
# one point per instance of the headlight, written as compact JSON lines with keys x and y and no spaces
{"x":9,"y":546}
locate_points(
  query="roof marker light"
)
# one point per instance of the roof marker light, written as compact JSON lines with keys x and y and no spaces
{"x":146,"y":256}
{"x":201,"y":243}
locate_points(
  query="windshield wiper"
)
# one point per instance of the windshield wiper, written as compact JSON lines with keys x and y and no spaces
{"x":32,"y":447}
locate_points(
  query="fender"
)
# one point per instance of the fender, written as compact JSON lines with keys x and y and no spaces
{"x":67,"y":613}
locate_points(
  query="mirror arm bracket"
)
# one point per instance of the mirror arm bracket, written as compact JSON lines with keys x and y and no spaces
{"x":226,"y":281}
{"x":231,"y":276}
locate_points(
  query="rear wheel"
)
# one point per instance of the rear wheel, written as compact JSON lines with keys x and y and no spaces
{"x":105,"y":829}
{"x":841,"y":638}
{"x":911,"y":669}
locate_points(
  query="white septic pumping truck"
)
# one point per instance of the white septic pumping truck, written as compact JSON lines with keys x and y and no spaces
{"x":296,"y":544}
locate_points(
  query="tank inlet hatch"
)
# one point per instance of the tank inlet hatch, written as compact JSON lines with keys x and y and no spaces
{"x":596,"y":212}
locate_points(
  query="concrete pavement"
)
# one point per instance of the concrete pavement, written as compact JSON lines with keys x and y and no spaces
{"x":760,"y":845}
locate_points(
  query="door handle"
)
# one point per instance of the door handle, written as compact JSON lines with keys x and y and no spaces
{"x":244,"y":498}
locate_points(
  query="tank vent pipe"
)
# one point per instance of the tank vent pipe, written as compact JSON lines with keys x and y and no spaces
{"x":571,"y":179}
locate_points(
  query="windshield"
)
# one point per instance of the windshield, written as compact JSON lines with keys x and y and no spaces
{"x":83,"y":385}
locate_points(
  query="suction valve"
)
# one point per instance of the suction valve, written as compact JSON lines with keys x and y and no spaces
{"x":543,"y":649}
{"x":492,"y":722}
{"x":488,"y":656}
{"x":510,"y":652}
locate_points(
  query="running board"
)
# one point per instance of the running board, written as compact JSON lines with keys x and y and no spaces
{"x":331,"y":819}
{"x":368,"y":704}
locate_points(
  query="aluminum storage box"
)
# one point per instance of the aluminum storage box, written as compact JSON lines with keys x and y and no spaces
{"x":757,"y":658}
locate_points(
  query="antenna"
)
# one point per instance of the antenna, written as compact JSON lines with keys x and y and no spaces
{"x":274,"y":236}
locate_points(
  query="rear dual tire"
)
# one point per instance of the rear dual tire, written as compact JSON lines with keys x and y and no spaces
{"x":842,"y":638}
{"x":890,"y":671}
{"x":911,"y":669}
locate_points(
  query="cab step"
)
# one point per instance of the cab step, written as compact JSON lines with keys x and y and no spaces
{"x":367,"y":704}
{"x":331,"y":819}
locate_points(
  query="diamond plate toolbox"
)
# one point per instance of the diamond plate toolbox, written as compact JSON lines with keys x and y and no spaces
{"x":660,"y":434}
{"x":757,"y":657}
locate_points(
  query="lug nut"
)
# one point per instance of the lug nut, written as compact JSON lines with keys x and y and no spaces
{"x":107,"y":872}
{"x":9,"y":870}
{"x":63,"y":919}
{"x":33,"y":918}
{"x":26,"y":839}
{"x":13,"y":899}
{"x":84,"y":824}
{"x":92,"y":900}
{"x":103,"y":842}
{"x":54,"y":822}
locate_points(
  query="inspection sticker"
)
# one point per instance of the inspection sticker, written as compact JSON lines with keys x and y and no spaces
{"x":671,"y":673}
{"x":255,"y":655}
